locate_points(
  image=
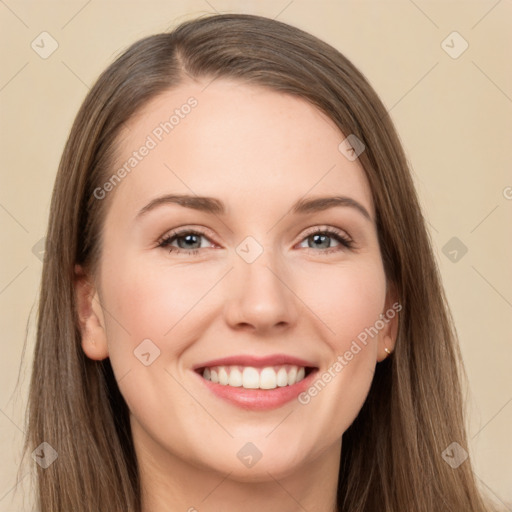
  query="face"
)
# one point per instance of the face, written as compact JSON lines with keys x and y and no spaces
{"x":247,"y":324}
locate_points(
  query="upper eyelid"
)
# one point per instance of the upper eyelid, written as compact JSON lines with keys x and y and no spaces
{"x":187,"y":229}
{"x":328,"y":229}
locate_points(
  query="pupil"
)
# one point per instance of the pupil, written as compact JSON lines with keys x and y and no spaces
{"x":317,"y":237}
{"x":189,"y":239}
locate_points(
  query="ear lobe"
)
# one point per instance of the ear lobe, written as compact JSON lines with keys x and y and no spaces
{"x":90,"y":317}
{"x":389,"y":333}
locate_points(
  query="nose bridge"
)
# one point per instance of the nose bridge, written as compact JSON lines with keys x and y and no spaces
{"x":259,"y":294}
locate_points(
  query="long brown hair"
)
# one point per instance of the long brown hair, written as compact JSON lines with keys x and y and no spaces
{"x":392,"y":453}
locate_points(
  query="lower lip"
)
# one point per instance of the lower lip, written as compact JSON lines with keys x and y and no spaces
{"x":259,"y":399}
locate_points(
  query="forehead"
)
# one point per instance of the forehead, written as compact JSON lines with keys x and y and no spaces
{"x":234,"y":141}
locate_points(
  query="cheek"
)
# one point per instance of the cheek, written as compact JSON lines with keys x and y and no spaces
{"x":153,"y":301}
{"x":349,"y":302}
{"x":347,"y":299}
{"x":160,"y":304}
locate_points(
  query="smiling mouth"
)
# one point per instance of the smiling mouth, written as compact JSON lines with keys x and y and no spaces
{"x":250,"y":377}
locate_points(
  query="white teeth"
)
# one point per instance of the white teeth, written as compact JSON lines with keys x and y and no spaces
{"x":235,"y":378}
{"x":292,"y":375}
{"x":282,"y":377}
{"x":223,"y":376}
{"x":268,"y":378}
{"x":249,"y":377}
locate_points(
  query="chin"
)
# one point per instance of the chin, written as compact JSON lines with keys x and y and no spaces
{"x":246,"y":461}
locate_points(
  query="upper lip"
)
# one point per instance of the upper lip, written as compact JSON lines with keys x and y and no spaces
{"x":256,"y":361}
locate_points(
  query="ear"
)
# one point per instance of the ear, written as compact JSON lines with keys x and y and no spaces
{"x":90,"y":316}
{"x":389,"y":333}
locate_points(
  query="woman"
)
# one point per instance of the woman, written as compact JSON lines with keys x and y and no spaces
{"x":302,"y":355}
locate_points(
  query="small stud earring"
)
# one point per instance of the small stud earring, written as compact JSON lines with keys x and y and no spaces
{"x":386,"y":349}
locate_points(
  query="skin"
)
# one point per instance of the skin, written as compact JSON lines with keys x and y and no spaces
{"x":258,"y":151}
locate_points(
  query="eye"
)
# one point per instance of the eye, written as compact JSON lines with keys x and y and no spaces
{"x":188,"y":241}
{"x":321,"y":238}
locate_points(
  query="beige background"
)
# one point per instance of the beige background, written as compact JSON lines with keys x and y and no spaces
{"x":454,"y":117}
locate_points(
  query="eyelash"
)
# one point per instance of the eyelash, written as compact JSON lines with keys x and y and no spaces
{"x":166,"y":241}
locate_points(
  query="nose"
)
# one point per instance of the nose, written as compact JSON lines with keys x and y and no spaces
{"x":259,"y":296}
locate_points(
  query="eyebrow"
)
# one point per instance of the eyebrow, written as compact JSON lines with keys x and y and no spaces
{"x":217,"y":207}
